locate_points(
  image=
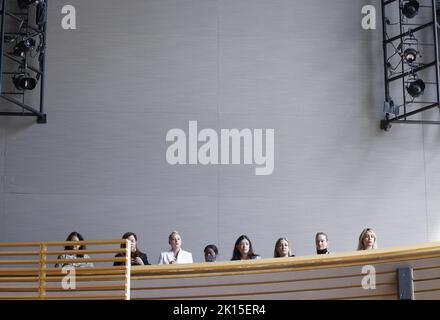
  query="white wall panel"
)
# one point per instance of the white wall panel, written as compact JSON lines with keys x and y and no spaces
{"x":432,"y":160}
{"x":154,"y":17}
{"x":299,"y":75}
{"x":330,"y":157}
{"x":103,"y":154}
{"x":132,"y":73}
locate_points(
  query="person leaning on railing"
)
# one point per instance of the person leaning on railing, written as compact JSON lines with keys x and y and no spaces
{"x":367,"y":240}
{"x":138,"y":258}
{"x":74,"y":236}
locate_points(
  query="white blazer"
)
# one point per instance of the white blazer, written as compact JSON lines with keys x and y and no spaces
{"x":183,"y":256}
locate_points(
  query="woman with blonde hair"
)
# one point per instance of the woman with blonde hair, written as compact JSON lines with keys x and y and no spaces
{"x":367,"y":240}
{"x":176,"y":254}
{"x":282,"y":249}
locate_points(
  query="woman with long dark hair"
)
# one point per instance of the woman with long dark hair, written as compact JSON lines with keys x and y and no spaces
{"x":138,"y":258}
{"x":74,"y":236}
{"x":243,"y":249}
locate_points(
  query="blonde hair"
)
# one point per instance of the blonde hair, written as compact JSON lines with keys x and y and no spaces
{"x":172,"y":234}
{"x":361,"y":238}
{"x":275,"y":251}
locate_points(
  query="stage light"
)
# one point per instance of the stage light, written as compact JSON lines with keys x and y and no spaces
{"x":410,"y":55}
{"x":24,"y":46}
{"x":24,"y":4}
{"x":416,"y":88}
{"x":410,"y":9}
{"x":24,"y":82}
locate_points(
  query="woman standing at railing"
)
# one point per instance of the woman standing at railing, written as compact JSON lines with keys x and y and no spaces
{"x":138,"y":258}
{"x":243,"y":249}
{"x":176,"y":254}
{"x":321,"y":242}
{"x":367,"y":240}
{"x":74,"y":236}
{"x":282,"y":249}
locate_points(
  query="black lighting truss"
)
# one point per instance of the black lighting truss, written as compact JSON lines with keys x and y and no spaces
{"x":410,"y":27}
{"x":22,"y":57}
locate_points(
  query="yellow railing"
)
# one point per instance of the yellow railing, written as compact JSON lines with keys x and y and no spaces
{"x":333,"y":276}
{"x":28,"y":272}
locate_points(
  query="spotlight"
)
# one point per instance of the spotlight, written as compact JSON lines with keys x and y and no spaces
{"x":24,"y":4}
{"x":9,"y":39}
{"x":24,"y":82}
{"x":416,"y":88}
{"x":410,"y":9}
{"x":410,"y":55}
{"x":24,"y":46}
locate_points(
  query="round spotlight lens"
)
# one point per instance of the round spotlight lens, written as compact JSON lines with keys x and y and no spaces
{"x":22,"y":82}
{"x":24,"y":46}
{"x":416,"y":88}
{"x":410,"y":9}
{"x":410,"y":55}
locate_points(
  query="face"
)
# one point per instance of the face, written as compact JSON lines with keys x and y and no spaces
{"x":209,"y":255}
{"x":175,"y":241}
{"x":132,"y":240}
{"x":283,"y":248}
{"x":75,"y":246}
{"x":321,"y":242}
{"x":243,"y":247}
{"x":368,"y":240}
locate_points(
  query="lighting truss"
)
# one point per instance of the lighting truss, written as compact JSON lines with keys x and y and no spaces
{"x":22,"y":58}
{"x":411,"y":63}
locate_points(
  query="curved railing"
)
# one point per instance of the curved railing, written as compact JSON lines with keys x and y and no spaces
{"x":374,"y":274}
{"x":411,"y":272}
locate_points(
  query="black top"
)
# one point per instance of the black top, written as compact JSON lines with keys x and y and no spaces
{"x":142,"y":255}
{"x":253,"y":257}
{"x":290,"y":255}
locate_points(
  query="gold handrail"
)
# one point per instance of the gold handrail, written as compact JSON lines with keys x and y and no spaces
{"x":44,"y":280}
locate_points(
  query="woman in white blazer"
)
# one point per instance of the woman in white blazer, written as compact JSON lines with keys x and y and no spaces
{"x":176,"y":254}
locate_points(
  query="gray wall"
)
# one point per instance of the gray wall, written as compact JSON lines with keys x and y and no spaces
{"x":135,"y":69}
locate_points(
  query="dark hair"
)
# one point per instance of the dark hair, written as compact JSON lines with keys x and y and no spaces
{"x":236,"y":254}
{"x":213,"y":247}
{"x":80,"y":238}
{"x":126,"y":236}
